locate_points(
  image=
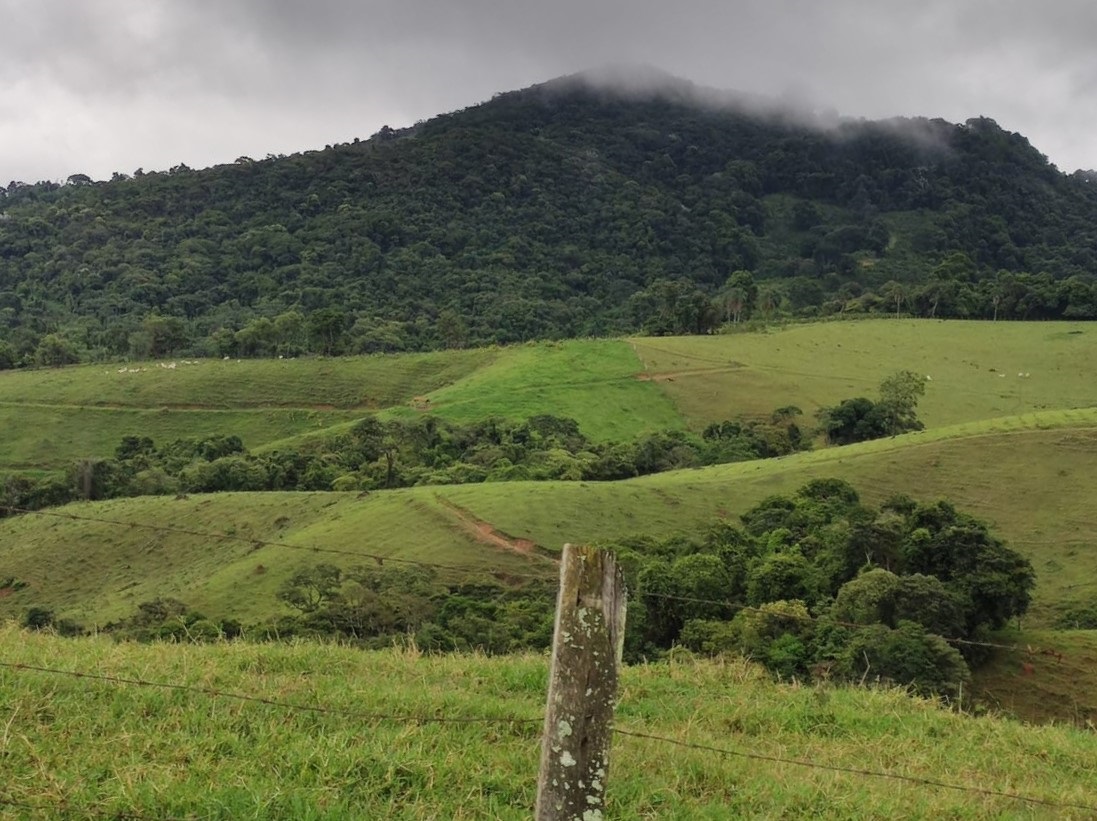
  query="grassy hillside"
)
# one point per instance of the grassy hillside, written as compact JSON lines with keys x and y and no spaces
{"x":95,"y":572}
{"x":615,"y":389}
{"x":1047,"y":510}
{"x":87,"y":748}
{"x":990,"y":447}
{"x":591,"y":381}
{"x":49,"y":417}
{"x":973,"y":367}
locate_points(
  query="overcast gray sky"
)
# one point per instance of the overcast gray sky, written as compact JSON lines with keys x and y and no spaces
{"x":96,"y":86}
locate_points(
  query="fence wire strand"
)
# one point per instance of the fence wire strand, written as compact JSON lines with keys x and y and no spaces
{"x":912,"y":779}
{"x":421,"y":720}
{"x":285,"y":705}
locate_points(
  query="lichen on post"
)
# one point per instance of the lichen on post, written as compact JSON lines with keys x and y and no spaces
{"x":586,"y":652}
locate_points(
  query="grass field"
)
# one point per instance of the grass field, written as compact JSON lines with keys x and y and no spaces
{"x":973,"y":367}
{"x":1015,"y":451}
{"x":50,"y":417}
{"x":354,"y":382}
{"x":85,"y":748}
{"x":53,"y":436}
{"x":591,"y":381}
{"x":98,"y":571}
{"x":615,"y":389}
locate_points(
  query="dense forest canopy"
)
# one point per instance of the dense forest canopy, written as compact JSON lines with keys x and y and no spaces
{"x":559,"y":210}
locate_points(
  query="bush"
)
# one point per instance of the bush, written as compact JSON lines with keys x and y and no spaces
{"x":907,"y":656}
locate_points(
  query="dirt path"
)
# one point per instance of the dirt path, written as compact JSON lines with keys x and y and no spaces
{"x":485,"y":532}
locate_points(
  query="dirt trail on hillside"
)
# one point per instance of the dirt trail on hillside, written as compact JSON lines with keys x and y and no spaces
{"x":485,"y":532}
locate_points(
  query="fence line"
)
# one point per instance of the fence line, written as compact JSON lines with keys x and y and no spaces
{"x":913,"y":779}
{"x":471,"y":720}
{"x":285,"y":705}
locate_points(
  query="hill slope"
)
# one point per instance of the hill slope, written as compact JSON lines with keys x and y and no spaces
{"x":565,"y":209}
{"x":1046,"y":510}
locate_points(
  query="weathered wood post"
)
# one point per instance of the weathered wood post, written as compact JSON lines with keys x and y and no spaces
{"x":586,"y":651}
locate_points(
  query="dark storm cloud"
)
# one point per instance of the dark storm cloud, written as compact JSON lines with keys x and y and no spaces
{"x":103,"y":85}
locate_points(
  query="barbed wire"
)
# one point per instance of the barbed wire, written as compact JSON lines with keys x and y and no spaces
{"x":913,"y":779}
{"x":460,"y":720}
{"x":258,"y":542}
{"x":286,"y":705}
{"x":421,"y":720}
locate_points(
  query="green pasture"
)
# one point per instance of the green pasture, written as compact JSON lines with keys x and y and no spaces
{"x":972,"y":367}
{"x":51,"y":417}
{"x":43,"y":437}
{"x":86,"y":748}
{"x":354,"y":382}
{"x":591,"y":381}
{"x":98,"y":571}
{"x":1030,"y":478}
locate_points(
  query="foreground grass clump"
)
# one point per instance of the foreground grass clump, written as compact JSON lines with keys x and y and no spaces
{"x":88,"y":748}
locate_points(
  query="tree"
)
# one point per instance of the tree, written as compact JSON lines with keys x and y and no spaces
{"x":327,"y":328}
{"x":852,"y":420}
{"x":310,"y":589}
{"x":881,"y":597}
{"x":898,"y":405}
{"x":54,"y":351}
{"x":8,"y":357}
{"x":894,"y":292}
{"x":861,"y":419}
{"x":740,"y":295}
{"x":159,"y":336}
{"x":908,"y":656}
{"x":451,"y":328}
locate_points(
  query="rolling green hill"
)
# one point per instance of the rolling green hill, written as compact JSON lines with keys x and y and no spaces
{"x":614,"y":389}
{"x":1015,"y":451}
{"x":82,"y":747}
{"x":973,"y":368}
{"x":1046,"y":510}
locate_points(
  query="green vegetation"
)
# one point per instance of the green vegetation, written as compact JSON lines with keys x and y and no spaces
{"x":815,"y":583}
{"x":51,"y":417}
{"x":861,"y":419}
{"x":94,"y":574}
{"x":82,"y":747}
{"x":973,"y":367}
{"x":554,"y":212}
{"x":591,"y":381}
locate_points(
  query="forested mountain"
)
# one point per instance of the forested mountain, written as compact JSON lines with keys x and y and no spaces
{"x":564,"y":209}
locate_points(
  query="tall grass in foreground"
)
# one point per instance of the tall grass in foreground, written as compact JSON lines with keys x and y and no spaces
{"x":83,"y":748}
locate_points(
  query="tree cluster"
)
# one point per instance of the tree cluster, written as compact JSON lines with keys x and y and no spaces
{"x":861,"y":419}
{"x":817,"y":584}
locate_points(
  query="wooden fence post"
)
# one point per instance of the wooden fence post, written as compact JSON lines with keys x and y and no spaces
{"x":586,"y":651}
